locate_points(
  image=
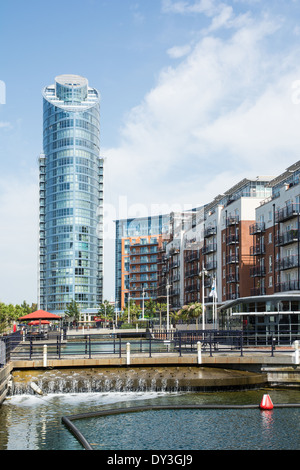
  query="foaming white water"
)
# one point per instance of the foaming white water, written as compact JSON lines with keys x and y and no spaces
{"x":92,"y":398}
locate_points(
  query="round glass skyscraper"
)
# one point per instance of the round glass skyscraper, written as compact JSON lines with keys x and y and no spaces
{"x":71,"y":197}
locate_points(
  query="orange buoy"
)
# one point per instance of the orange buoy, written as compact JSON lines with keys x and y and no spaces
{"x":266,"y":403}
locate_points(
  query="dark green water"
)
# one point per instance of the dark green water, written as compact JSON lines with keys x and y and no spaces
{"x":29,"y":422}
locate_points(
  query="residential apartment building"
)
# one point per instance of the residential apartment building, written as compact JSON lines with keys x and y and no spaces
{"x":245,"y":241}
{"x":139,"y":247}
{"x":276,"y":243}
{"x":71,"y":197}
{"x":221,"y":243}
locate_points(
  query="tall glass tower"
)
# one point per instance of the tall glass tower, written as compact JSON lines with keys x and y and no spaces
{"x":71,"y":197}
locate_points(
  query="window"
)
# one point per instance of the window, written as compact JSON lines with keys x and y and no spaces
{"x":270,"y":264}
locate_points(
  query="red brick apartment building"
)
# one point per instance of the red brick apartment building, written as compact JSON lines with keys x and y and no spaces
{"x":247,"y":240}
{"x":224,"y":243}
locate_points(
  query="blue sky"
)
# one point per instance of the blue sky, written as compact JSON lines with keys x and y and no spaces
{"x":196,"y":95}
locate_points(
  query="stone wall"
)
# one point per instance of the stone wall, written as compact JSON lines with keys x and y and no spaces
{"x":5,"y":377}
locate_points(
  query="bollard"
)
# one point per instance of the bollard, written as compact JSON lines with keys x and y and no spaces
{"x":199,"y":352}
{"x":296,"y":355}
{"x":45,"y":356}
{"x":128,"y":353}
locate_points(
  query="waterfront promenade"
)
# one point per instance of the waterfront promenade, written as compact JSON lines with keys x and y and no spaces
{"x":174,"y":361}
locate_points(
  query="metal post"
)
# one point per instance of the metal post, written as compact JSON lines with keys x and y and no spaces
{"x":128,"y":354}
{"x":168,"y":307}
{"x":203,"y":273}
{"x":120,"y":346}
{"x":128,"y":308}
{"x":30,"y":348}
{"x":199,"y":352}
{"x":273,"y":346}
{"x":296,"y":356}
{"x":143,"y":313}
{"x":241,"y":343}
{"x":45,"y":356}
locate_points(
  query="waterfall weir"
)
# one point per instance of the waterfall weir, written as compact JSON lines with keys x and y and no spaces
{"x":118,"y":379}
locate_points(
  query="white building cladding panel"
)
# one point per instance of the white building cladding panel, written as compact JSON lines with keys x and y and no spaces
{"x":71,"y":196}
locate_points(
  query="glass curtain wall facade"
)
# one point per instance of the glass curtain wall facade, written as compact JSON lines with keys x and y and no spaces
{"x":71,"y":197}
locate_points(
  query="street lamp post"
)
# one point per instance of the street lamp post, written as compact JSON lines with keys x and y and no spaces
{"x":143,"y":311}
{"x":168,"y":307}
{"x":203,"y":274}
{"x":128,"y":308}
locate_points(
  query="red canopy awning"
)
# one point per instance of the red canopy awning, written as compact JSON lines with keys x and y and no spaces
{"x":39,"y":322}
{"x":40,"y":315}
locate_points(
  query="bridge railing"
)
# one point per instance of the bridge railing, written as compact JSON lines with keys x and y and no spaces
{"x":212,"y":342}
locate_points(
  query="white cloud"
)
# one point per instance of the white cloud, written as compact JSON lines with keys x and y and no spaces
{"x":4,"y":124}
{"x":207,"y":7}
{"x":178,"y":52}
{"x":225,"y":109}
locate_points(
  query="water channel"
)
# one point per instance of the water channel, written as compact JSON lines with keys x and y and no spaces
{"x":33,"y":422}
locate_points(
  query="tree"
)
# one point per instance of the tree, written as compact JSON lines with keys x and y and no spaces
{"x":195,"y":311}
{"x":184,"y":313}
{"x":191,"y":311}
{"x":161,"y":308}
{"x":3,"y":317}
{"x":175,"y":316}
{"x":150,"y":308}
{"x":134,"y":312}
{"x":26,"y":308}
{"x":11,"y":313}
{"x":73,"y":311}
{"x":106,"y":310}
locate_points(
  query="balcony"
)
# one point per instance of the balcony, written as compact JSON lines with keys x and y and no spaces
{"x":258,"y":291}
{"x":286,"y":238}
{"x":286,"y":213}
{"x":232,"y":278}
{"x":191,"y":273}
{"x":143,"y":261}
{"x":257,"y":228}
{"x":174,"y":292}
{"x":232,"y":296}
{"x":174,"y":265}
{"x":141,"y":252}
{"x":257,"y":250}
{"x":191,"y":288}
{"x":288,"y":262}
{"x":287,"y":286}
{"x":210,"y":248}
{"x":210,"y":231}
{"x":232,"y":239}
{"x":145,"y":243}
{"x":232,"y":220}
{"x":210,"y":266}
{"x":258,"y":271}
{"x":232,"y":259}
{"x":193,"y":256}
